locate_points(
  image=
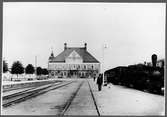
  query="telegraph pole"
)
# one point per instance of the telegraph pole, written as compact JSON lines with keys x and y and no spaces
{"x":36,"y":65}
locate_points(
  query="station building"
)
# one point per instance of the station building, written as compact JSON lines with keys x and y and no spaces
{"x":73,"y":62}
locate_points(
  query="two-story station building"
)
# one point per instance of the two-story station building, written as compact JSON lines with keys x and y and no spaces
{"x":73,"y":62}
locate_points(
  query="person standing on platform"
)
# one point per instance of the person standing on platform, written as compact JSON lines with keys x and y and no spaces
{"x":100,"y":82}
{"x":94,"y":77}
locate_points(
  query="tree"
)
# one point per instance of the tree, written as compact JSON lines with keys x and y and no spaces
{"x":17,"y":68}
{"x":45,"y":71}
{"x":163,"y":64}
{"x":29,"y":69}
{"x":39,"y":70}
{"x":154,"y":60}
{"x":5,"y":66}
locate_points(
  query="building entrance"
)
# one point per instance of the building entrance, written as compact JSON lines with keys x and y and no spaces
{"x":73,"y":74}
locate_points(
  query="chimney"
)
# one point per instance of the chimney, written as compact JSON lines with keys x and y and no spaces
{"x":85,"y":46}
{"x":65,"y":46}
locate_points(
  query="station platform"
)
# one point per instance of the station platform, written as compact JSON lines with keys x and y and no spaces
{"x":119,"y":100}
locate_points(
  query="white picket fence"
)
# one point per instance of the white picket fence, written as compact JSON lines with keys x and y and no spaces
{"x":22,"y":77}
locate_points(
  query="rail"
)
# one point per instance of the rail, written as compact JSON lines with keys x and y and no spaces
{"x":19,"y":97}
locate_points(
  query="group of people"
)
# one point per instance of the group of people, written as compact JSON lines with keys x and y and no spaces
{"x":99,"y":81}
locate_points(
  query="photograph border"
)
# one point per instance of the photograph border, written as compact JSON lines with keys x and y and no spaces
{"x":101,"y":1}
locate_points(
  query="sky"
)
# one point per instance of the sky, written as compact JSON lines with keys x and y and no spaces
{"x":132,"y":32}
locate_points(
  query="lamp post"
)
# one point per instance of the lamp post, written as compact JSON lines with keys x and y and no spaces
{"x":103,"y":70}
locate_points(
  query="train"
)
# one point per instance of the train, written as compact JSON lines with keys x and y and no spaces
{"x":140,"y":77}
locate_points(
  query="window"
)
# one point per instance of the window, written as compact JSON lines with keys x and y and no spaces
{"x":84,"y":66}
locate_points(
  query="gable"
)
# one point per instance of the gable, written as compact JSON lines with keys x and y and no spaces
{"x":73,"y":57}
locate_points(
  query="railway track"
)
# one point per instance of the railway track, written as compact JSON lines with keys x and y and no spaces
{"x":94,"y":100}
{"x":69,"y":102}
{"x":12,"y":87}
{"x":30,"y":93}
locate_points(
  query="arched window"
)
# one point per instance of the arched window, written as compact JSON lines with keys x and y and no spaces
{"x":84,"y":66}
{"x":52,"y":73}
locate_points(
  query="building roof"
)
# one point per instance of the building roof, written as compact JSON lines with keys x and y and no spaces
{"x":86,"y":56}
